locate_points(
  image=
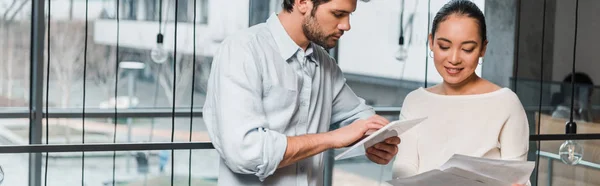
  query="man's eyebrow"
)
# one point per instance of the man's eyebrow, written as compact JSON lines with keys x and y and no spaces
{"x":342,"y":11}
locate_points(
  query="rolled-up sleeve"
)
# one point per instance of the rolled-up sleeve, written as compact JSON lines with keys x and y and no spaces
{"x":234,"y":115}
{"x":347,"y":107}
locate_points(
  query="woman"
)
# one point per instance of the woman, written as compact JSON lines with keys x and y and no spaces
{"x":466,"y":114}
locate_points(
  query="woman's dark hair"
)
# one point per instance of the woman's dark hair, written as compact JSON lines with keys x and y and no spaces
{"x":463,"y":8}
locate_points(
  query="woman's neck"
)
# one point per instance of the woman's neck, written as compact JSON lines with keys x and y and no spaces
{"x":463,"y":88}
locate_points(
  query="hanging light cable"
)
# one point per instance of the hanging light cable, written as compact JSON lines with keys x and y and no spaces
{"x":85,"y":49}
{"x":570,"y":151}
{"x":114,"y":155}
{"x":158,"y":53}
{"x":427,"y":44}
{"x":537,"y":164}
{"x":174,"y":93}
{"x":48,"y":92}
{"x":192,"y":94}
{"x":402,"y":53}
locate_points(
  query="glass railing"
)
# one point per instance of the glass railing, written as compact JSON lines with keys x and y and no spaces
{"x":140,"y":152}
{"x":150,"y":168}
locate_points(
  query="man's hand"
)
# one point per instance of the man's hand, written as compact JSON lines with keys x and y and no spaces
{"x":347,"y":135}
{"x":516,"y":184}
{"x":383,"y":152}
{"x":304,"y":146}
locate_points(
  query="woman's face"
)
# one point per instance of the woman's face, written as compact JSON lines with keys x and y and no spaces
{"x":457,"y":47}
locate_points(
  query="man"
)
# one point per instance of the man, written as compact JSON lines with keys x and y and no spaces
{"x":583,"y":94}
{"x":273,"y":93}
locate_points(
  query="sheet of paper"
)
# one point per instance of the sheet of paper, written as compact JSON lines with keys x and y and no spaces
{"x":474,"y":178}
{"x":436,"y":178}
{"x":353,"y":153}
{"x":395,"y":128}
{"x":472,"y":171}
{"x":505,"y":170}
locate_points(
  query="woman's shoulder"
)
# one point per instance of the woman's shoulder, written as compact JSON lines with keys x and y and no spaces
{"x":416,"y":94}
{"x":499,"y":93}
{"x":508,"y":95}
{"x":506,"y":98}
{"x":503,"y":95}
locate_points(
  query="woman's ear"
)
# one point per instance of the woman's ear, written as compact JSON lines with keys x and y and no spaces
{"x":483,"y":48}
{"x":430,"y":39}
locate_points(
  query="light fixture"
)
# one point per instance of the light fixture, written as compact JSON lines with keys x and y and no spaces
{"x":158,"y":54}
{"x":570,"y":151}
{"x":401,"y":53}
{"x":1,"y":175}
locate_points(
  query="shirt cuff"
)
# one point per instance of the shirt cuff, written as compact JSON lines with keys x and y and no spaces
{"x":274,"y":153}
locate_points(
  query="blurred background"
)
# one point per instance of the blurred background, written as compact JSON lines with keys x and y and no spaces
{"x":84,"y":72}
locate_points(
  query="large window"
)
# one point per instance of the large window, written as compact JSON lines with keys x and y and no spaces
{"x":99,"y":86}
{"x":15,"y":32}
{"x":102,"y":91}
{"x":148,"y":85}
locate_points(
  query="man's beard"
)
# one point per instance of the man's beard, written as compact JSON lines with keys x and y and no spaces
{"x":311,"y":30}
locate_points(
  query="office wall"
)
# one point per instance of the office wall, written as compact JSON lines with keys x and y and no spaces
{"x":587,"y":39}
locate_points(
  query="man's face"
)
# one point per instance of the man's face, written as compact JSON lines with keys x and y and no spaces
{"x":328,"y":22}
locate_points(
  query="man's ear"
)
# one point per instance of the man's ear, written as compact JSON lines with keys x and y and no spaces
{"x":303,"y":6}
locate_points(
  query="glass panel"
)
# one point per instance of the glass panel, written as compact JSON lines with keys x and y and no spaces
{"x":101,"y":130}
{"x":15,"y":50}
{"x":142,"y":83}
{"x":552,"y":171}
{"x":14,"y":131}
{"x":560,"y":60}
{"x":14,"y":169}
{"x":360,"y":171}
{"x":551,"y":60}
{"x":556,"y":106}
{"x":150,"y":168}
{"x":66,"y":56}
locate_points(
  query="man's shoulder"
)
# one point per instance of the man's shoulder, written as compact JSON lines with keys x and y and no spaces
{"x":248,"y":35}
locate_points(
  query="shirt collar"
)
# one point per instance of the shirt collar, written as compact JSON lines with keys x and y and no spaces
{"x":287,"y":47}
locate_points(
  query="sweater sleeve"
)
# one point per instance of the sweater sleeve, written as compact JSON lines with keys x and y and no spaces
{"x":514,"y":136}
{"x":406,"y":163}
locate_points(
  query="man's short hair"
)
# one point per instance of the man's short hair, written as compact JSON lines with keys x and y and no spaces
{"x":288,"y":5}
